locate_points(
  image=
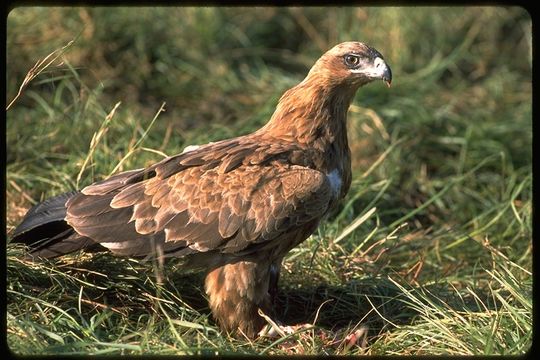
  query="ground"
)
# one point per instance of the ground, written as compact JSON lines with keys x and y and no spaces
{"x":431,"y":251}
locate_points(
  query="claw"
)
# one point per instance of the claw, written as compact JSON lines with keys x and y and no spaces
{"x":272,"y":329}
{"x":275,"y":330}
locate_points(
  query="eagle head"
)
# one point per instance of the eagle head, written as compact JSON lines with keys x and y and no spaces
{"x":352,"y":63}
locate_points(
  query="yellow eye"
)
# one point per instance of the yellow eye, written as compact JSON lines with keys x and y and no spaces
{"x":351,"y":60}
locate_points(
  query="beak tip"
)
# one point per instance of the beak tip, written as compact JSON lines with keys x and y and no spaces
{"x":387,"y":75}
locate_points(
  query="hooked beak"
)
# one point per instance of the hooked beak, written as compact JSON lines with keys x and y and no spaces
{"x":377,"y":70}
{"x":382,"y":71}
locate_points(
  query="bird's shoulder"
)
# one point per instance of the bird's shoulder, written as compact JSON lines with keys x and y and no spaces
{"x":249,"y":153}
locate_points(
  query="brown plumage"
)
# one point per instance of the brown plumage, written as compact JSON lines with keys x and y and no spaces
{"x":234,"y":207}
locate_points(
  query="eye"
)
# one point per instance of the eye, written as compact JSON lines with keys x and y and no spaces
{"x":352,"y":60}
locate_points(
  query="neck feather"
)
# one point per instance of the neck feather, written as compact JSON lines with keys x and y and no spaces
{"x":313,"y":112}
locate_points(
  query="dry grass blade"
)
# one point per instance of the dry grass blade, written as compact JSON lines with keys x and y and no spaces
{"x":95,"y":140}
{"x":136,"y":146}
{"x":308,"y":27}
{"x":381,"y":158}
{"x":356,"y":223}
{"x":375,"y":118}
{"x":38,"y":68}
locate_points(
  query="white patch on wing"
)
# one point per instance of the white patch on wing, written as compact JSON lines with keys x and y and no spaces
{"x":335,"y":181}
{"x":114,"y":245}
{"x":198,"y":247}
{"x":194,"y":147}
{"x":190,"y":148}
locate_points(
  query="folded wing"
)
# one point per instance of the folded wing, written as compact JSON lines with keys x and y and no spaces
{"x":222,"y":197}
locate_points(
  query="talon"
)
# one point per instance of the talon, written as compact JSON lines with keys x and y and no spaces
{"x":275,"y":330}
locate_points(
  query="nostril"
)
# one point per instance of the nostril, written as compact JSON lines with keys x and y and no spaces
{"x":378,"y":62}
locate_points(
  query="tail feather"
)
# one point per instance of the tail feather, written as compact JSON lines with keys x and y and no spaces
{"x":50,"y":210}
{"x":46,"y":232}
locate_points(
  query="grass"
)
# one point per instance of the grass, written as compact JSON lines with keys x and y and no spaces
{"x":431,"y":251}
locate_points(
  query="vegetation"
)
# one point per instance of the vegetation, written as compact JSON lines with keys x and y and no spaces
{"x":430,"y":253}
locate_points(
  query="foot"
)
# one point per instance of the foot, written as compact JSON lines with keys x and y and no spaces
{"x":275,"y":329}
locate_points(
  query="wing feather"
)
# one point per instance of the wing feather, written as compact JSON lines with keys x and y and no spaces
{"x":112,"y":183}
{"x":209,"y":199}
{"x":128,"y":196}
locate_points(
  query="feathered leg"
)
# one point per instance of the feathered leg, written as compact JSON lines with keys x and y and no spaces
{"x":236,"y":293}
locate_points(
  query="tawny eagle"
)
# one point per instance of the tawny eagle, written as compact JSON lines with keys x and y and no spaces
{"x":234,"y":207}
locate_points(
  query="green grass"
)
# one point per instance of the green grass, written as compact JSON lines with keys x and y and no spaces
{"x":431,"y":251}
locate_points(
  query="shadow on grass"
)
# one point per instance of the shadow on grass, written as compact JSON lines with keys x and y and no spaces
{"x":335,"y":307}
{"x":375,"y":303}
{"x":128,"y":287}
{"x":327,"y":306}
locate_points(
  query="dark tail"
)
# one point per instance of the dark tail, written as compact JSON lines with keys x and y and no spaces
{"x":46,"y":232}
